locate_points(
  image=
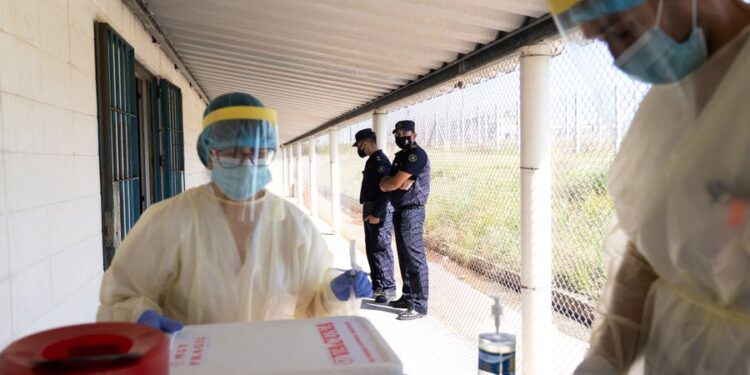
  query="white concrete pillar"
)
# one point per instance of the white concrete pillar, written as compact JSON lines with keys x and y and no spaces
{"x":333,"y":155}
{"x":536,"y":219}
{"x":313,"y":177}
{"x":498,"y":129}
{"x":288,"y":167}
{"x":616,"y":122}
{"x":281,"y":158}
{"x":381,"y":129}
{"x":575,"y":123}
{"x":298,"y":173}
{"x":287,"y":164}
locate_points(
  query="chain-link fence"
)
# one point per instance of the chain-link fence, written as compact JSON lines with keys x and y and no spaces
{"x":470,"y":128}
{"x":472,"y":230}
{"x":586,"y":137}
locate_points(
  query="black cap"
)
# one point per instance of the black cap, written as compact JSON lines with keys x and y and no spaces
{"x":407,"y":125}
{"x":363,"y":134}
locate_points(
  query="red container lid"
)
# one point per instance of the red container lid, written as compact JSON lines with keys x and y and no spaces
{"x":99,"y":348}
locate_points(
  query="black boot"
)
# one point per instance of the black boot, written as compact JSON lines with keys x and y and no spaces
{"x":410,"y":314}
{"x":401,"y":303}
{"x":386,"y":296}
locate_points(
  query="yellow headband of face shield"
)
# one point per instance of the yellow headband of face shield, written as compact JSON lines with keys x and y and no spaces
{"x":241,"y":113}
{"x":559,"y":6}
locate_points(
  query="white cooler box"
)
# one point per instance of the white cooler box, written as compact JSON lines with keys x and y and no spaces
{"x":330,"y":346}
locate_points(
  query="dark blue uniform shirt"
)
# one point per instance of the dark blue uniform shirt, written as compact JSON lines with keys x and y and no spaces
{"x":414,"y":161}
{"x":374,"y":201}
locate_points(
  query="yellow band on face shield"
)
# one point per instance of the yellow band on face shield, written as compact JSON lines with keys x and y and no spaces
{"x":240,"y":113}
{"x":560,"y":6}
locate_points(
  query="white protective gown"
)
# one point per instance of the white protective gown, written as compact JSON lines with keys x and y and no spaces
{"x":181,"y":259}
{"x":686,"y":140}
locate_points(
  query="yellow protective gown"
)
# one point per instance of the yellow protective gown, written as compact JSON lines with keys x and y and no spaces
{"x":181,"y":259}
{"x":679,"y":290}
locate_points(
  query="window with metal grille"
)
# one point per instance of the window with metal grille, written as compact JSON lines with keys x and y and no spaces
{"x":168,"y":143}
{"x":119,"y":146}
{"x":140,"y":138}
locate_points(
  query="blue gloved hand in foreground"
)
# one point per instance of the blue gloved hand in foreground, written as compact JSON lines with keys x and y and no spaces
{"x":160,"y":322}
{"x":343,"y":284}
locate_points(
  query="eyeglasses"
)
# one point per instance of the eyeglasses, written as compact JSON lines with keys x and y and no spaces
{"x":235,"y":158}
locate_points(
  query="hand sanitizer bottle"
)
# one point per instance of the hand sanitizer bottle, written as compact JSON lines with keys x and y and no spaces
{"x":497,"y":351}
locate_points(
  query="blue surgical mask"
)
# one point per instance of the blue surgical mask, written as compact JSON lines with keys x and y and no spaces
{"x":242,"y":182}
{"x":657,"y":58}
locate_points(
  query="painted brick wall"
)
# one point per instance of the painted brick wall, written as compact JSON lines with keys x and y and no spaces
{"x":50,"y":223}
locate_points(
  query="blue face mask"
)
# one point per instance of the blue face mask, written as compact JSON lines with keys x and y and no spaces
{"x":657,"y":58}
{"x":242,"y":182}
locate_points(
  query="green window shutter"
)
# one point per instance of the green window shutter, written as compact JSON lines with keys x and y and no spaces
{"x":170,"y":173}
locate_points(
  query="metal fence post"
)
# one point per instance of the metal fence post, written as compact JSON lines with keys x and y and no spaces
{"x":536,"y":198}
{"x":313,"y":177}
{"x":333,"y":156}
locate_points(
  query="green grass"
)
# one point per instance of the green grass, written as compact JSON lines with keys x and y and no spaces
{"x":474,"y":210}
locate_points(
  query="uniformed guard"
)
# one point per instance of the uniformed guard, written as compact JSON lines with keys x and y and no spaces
{"x":409,"y":186}
{"x":377,"y":214}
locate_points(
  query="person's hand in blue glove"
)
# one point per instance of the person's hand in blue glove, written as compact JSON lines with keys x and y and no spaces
{"x":358,"y":281}
{"x":160,"y":322}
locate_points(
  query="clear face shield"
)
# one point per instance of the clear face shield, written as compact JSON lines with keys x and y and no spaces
{"x":239,"y":145}
{"x":656,"y":42}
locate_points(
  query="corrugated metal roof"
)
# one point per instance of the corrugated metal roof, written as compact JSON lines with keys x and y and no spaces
{"x":315,"y":60}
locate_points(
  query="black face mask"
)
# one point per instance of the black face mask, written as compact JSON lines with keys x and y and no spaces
{"x":403,"y":142}
{"x":361,"y":152}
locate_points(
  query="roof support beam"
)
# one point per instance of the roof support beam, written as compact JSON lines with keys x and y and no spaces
{"x":147,"y":19}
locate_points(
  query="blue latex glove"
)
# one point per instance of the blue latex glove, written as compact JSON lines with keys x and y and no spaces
{"x":160,"y":322}
{"x":358,"y":281}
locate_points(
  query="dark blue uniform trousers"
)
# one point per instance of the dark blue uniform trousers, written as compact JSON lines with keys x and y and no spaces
{"x":379,"y":252}
{"x":409,"y":226}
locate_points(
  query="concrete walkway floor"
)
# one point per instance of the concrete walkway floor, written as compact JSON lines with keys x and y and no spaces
{"x":445,"y":341}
